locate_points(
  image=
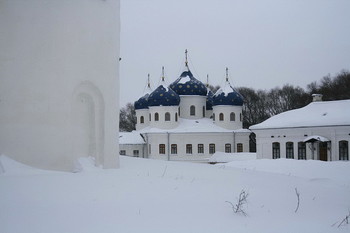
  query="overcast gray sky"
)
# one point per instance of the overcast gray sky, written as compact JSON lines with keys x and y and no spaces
{"x":264,"y":43}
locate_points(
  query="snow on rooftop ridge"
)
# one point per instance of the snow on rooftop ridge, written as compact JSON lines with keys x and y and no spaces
{"x":183,"y":80}
{"x":226,"y":89}
{"x":323,"y":113}
{"x":133,"y":137}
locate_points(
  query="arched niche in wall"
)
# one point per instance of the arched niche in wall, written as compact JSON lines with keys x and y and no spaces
{"x":88,"y":122}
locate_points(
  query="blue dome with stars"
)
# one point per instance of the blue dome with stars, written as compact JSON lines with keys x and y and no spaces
{"x":163,"y":96}
{"x":186,"y":84}
{"x":142,"y":103}
{"x":227,"y":96}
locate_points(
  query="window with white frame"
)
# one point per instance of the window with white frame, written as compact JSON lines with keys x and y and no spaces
{"x":343,"y":150}
{"x":200,"y":148}
{"x":227,"y":148}
{"x":161,"y":148}
{"x":301,"y":150}
{"x":211,"y":148}
{"x":289,"y":150}
{"x":276,"y":150}
{"x":173,"y":148}
{"x":188,"y":148}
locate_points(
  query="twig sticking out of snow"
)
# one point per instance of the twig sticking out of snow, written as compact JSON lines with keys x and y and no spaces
{"x":242,"y":200}
{"x":345,"y":221}
{"x":298,"y":197}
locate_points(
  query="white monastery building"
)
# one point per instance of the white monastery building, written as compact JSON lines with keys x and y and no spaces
{"x":59,"y":67}
{"x":186,"y":121}
{"x":320,"y":131}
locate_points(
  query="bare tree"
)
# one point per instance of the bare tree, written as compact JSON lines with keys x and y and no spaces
{"x":127,"y":118}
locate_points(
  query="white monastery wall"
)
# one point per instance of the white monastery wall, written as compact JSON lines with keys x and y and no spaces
{"x":133,"y":150}
{"x":59,"y":81}
{"x":295,"y":135}
{"x":181,"y":139}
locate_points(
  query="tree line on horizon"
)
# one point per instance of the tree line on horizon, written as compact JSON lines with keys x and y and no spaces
{"x":260,"y":105}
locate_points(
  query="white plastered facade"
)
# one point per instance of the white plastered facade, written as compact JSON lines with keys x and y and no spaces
{"x":59,"y":82}
{"x":328,"y":122}
{"x":265,"y":139}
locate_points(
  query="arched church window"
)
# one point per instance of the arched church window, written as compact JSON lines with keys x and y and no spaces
{"x":192,"y":110}
{"x":142,"y":120}
{"x":167,"y":116}
{"x":301,"y":150}
{"x":213,"y":116}
{"x":239,"y":147}
{"x":221,"y":117}
{"x":232,"y":116}
{"x":211,"y":148}
{"x":203,"y":111}
{"x":149,"y":116}
{"x":176,"y":116}
{"x":240,"y":117}
{"x":289,"y":150}
{"x":179,"y":112}
{"x":227,"y":148}
{"x":156,"y":116}
{"x":343,"y":150}
{"x":276,"y":150}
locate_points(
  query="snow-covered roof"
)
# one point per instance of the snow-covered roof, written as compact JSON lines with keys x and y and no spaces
{"x":227,"y":95}
{"x":186,"y":84}
{"x":203,"y":125}
{"x":163,"y":96}
{"x":316,"y":138}
{"x":133,"y":137}
{"x":322,"y":113}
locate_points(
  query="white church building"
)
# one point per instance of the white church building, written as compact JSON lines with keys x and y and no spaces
{"x":59,"y":80}
{"x":186,"y":121}
{"x":320,"y":131}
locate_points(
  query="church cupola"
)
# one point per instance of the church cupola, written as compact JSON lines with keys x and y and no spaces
{"x":163,"y":96}
{"x":163,"y":104}
{"x":227,"y":95}
{"x":227,"y":107}
{"x":187,"y":84}
{"x":142,"y":103}
{"x":192,"y":93}
{"x":141,"y":107}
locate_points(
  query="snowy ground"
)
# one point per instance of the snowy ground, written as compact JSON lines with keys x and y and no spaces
{"x":158,"y":196}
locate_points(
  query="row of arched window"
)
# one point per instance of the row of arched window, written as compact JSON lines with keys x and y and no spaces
{"x":343,"y":150}
{"x":232,"y":116}
{"x":167,"y":117}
